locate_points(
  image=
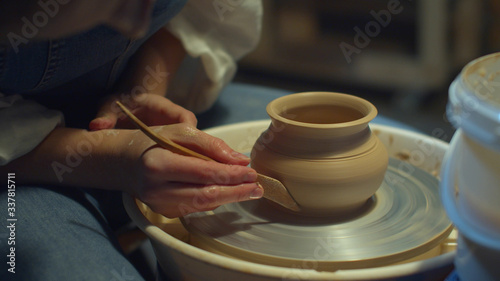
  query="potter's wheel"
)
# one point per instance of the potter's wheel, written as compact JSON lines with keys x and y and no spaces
{"x":403,"y":220}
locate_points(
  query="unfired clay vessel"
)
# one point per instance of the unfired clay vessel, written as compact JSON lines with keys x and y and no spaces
{"x":319,"y":145}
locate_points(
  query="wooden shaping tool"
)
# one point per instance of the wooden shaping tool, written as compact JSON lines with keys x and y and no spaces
{"x":274,"y":190}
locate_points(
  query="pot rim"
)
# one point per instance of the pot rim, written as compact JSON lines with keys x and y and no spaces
{"x":275,"y":108}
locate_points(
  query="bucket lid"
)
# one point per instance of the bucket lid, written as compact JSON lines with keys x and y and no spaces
{"x":474,"y":100}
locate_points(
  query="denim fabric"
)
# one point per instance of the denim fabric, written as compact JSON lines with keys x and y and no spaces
{"x":64,"y":233}
{"x":61,"y":235}
{"x":72,"y":74}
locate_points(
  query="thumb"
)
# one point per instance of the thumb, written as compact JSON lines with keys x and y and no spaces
{"x":103,"y":121}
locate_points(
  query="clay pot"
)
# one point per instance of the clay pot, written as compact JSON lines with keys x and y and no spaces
{"x":319,"y":145}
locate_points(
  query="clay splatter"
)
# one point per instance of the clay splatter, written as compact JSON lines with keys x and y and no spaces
{"x":403,"y":155}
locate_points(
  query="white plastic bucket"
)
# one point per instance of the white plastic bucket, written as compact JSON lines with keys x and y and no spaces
{"x":474,"y":107}
{"x":478,"y":250}
{"x":450,"y":196}
{"x":470,"y":178}
{"x":478,"y":180}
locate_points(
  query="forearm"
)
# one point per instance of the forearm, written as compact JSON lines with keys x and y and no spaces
{"x":74,"y":157}
{"x":143,"y":86}
{"x":154,"y":64}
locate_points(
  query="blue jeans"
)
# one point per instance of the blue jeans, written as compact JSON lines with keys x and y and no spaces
{"x":73,"y":74}
{"x":61,"y":234}
{"x":65,"y":233}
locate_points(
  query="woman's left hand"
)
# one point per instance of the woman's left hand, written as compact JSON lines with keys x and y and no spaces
{"x":153,"y":110}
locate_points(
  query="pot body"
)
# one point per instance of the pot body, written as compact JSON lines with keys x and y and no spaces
{"x":320,"y":146}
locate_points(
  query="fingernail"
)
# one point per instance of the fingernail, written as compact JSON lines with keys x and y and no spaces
{"x":240,"y":156}
{"x":96,"y":124}
{"x":257,"y":193}
{"x":250,"y":177}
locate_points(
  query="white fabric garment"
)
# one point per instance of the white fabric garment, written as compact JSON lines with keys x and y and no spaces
{"x":215,"y":34}
{"x":23,"y":125}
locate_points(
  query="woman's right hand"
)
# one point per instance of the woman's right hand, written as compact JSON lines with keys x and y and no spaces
{"x":175,"y":185}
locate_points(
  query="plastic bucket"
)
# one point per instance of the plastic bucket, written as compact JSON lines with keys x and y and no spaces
{"x":478,"y":249}
{"x":474,"y":107}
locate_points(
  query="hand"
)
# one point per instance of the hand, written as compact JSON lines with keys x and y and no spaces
{"x":176,"y":185}
{"x":151,"y":109}
{"x":127,"y":160}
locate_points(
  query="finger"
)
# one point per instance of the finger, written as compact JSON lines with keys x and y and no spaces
{"x":106,"y":117}
{"x":173,"y":113}
{"x":182,"y":115}
{"x":206,"y":144}
{"x":104,"y":122}
{"x":189,"y":118}
{"x":180,"y":200}
{"x":162,"y":166}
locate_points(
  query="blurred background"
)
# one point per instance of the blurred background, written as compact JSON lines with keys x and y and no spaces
{"x":401,"y":55}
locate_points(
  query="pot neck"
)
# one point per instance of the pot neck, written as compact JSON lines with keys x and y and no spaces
{"x":310,"y":142}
